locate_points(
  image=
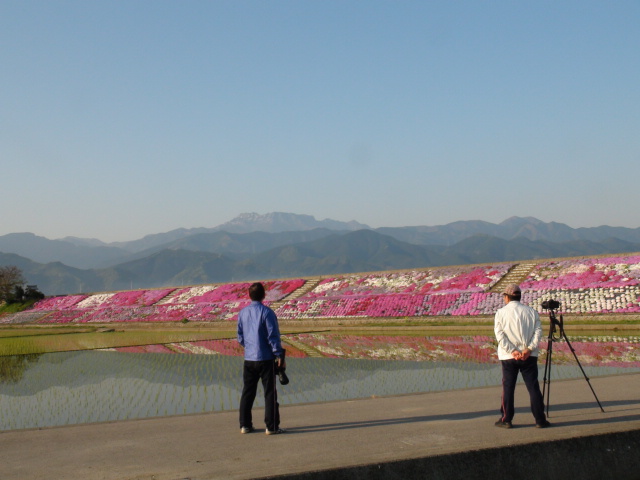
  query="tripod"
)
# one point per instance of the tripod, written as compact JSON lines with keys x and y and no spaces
{"x":553,"y":323}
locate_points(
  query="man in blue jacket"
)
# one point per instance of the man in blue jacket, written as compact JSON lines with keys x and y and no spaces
{"x":259,"y":334}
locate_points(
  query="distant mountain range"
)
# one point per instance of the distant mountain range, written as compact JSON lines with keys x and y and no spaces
{"x":280,"y":245}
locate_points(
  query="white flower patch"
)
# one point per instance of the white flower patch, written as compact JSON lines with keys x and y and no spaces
{"x":192,"y":292}
{"x":393,"y":353}
{"x":329,"y":350}
{"x":631,"y":355}
{"x":197,"y":349}
{"x":579,"y":268}
{"x":441,"y":353}
{"x":173,"y":308}
{"x":95,"y":300}
{"x":391,"y":282}
{"x":329,"y":286}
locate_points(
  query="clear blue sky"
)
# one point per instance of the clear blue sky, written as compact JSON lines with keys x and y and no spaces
{"x":124,"y":118}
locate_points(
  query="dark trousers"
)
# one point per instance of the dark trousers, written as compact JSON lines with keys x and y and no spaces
{"x":252,"y":373}
{"x":529,"y":370}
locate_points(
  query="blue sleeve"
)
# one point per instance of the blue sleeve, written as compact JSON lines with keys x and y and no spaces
{"x":273,"y":333}
{"x":240,"y":332}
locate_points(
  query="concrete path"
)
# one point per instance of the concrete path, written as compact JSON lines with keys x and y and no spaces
{"x":337,"y":436}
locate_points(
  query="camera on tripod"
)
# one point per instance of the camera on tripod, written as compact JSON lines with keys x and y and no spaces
{"x":551,"y":304}
{"x":554,"y":322}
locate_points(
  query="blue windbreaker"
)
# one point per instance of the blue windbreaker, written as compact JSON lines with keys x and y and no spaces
{"x":258,"y":332}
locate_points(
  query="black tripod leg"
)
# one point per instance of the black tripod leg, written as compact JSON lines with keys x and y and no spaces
{"x":546,"y":384}
{"x":564,"y":335}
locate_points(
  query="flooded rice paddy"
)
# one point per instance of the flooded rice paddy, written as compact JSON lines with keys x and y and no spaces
{"x":204,"y":375}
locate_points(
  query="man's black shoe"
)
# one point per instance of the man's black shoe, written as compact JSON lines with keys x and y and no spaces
{"x":502,"y":424}
{"x":544,"y":424}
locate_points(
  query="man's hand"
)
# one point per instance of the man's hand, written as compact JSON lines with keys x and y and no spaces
{"x":516,"y":355}
{"x":525,"y":354}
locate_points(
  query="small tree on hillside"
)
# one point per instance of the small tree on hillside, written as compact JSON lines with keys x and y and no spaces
{"x":22,"y":295}
{"x":10,"y":278}
{"x":32,"y":293}
{"x":17,"y":296}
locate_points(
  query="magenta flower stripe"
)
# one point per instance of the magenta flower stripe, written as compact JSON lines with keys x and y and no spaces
{"x":199,"y":303}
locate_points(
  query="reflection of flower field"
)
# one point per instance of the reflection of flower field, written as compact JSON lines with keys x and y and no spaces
{"x":478,"y":349}
{"x":599,"y":351}
{"x":184,"y":377}
{"x":593,"y":351}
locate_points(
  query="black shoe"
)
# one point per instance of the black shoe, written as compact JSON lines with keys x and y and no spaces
{"x":502,"y":424}
{"x":544,"y":424}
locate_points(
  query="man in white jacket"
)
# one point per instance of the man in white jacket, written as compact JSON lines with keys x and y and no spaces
{"x":518,"y":332}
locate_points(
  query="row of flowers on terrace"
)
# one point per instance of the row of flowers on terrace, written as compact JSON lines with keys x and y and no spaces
{"x":195,"y":312}
{"x":233,"y":292}
{"x":591,"y":301}
{"x":580,"y":301}
{"x":415,"y":282}
{"x":614,"y":271}
{"x":599,"y":285}
{"x":400,"y":305}
{"x":225,"y":293}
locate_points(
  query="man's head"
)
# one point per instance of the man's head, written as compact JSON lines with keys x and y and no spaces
{"x":256,"y":292}
{"x":512,"y":292}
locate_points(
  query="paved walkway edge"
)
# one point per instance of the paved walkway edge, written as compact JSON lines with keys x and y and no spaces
{"x":612,"y":455}
{"x":434,"y":435}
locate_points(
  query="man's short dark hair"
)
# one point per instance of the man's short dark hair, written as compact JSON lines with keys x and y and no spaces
{"x":515,"y":297}
{"x":256,"y":292}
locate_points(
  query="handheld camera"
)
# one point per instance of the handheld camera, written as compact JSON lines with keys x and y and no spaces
{"x":280,"y":369}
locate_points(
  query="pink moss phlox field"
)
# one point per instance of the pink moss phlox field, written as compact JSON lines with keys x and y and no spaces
{"x":200,"y":303}
{"x":138,"y":297}
{"x":442,"y":280}
{"x":394,"y":305}
{"x":583,"y":286}
{"x":58,"y":303}
{"x":234,"y":292}
{"x":585,"y":273}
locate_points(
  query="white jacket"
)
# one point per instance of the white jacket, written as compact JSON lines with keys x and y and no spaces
{"x":517,"y":326}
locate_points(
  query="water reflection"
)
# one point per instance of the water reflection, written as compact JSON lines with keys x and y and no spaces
{"x":12,"y":367}
{"x":90,"y":386}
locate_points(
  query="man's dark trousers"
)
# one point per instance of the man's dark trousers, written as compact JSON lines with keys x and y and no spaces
{"x":252,"y":373}
{"x":529,"y":370}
